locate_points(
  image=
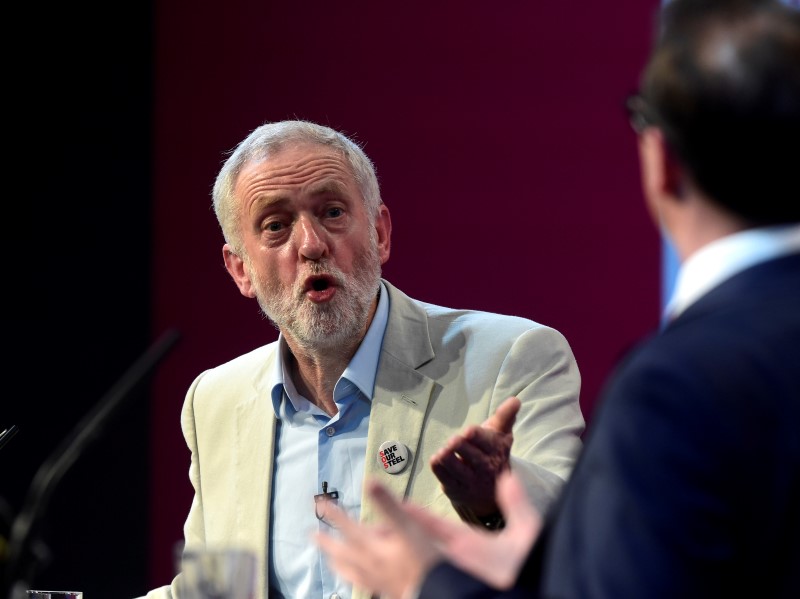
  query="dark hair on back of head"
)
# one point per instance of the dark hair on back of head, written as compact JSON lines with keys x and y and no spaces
{"x":723,"y":84}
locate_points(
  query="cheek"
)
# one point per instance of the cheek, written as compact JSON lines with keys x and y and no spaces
{"x":277,"y":268}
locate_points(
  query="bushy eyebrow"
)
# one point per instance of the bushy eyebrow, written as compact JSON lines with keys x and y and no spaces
{"x":328,"y":188}
{"x":271,"y":201}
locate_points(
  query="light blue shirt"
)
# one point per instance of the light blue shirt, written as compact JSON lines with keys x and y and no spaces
{"x":310,"y":448}
{"x":725,"y":257}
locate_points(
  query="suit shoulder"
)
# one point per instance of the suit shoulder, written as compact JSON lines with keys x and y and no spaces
{"x":244,"y":363}
{"x":483,"y":323}
{"x":478,"y":318}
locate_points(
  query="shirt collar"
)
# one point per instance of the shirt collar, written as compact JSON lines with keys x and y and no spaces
{"x":361,"y":371}
{"x":725,"y":257}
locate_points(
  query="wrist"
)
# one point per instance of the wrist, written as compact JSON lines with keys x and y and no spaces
{"x":491,"y":521}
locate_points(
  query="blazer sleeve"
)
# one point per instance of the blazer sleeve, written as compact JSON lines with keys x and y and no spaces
{"x":541,"y":370}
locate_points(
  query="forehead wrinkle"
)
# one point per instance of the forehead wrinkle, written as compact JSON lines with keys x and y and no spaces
{"x":317,"y":176}
{"x":332,"y":171}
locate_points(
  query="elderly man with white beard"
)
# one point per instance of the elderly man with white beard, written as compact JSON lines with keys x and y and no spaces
{"x":362,"y":381}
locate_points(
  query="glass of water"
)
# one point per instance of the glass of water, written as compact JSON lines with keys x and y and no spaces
{"x":221,"y":573}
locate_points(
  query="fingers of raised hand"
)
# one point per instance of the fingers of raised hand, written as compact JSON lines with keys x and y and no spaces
{"x":519,"y":512}
{"x":354,"y":556}
{"x":489,"y":442}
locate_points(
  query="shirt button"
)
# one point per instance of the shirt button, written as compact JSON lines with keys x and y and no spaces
{"x":330,"y":431}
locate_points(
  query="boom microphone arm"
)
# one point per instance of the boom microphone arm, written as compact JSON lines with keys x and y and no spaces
{"x":18,"y":570}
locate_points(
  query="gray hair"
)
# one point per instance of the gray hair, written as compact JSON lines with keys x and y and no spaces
{"x":272,"y":137}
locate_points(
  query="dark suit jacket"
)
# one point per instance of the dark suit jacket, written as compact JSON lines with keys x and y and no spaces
{"x":689,"y":482}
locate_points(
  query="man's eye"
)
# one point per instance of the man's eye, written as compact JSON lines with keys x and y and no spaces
{"x":274,"y":226}
{"x":335,"y":212}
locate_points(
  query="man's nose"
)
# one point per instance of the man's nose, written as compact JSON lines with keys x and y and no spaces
{"x":311,"y":239}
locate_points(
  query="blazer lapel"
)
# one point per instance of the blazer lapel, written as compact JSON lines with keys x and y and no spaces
{"x":402,"y":393}
{"x":255,"y":445}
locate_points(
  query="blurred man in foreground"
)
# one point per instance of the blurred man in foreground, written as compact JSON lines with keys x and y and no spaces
{"x":689,"y":482}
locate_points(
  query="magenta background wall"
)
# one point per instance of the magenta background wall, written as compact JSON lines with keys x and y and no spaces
{"x":502,"y":149}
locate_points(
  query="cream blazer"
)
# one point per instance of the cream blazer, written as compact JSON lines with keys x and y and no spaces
{"x":440,"y":370}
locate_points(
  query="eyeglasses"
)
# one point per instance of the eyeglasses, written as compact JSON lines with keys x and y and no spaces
{"x":640,"y":115}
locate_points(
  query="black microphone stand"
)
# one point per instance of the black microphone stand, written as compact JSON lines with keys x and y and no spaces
{"x":7,"y":434}
{"x":25,"y":552}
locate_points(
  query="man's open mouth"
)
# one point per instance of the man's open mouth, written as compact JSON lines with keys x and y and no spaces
{"x":318,"y":283}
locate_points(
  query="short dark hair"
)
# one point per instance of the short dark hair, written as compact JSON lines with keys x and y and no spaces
{"x":723,"y":83}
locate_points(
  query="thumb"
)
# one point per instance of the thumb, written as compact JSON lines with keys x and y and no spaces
{"x":502,"y":421}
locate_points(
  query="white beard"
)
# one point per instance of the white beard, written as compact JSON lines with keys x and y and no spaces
{"x":333,"y":324}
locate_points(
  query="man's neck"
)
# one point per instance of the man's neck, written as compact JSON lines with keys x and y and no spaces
{"x":697,"y":222}
{"x":315,"y":372}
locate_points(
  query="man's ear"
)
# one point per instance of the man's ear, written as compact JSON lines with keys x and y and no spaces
{"x":238,"y":271}
{"x":383,"y":226}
